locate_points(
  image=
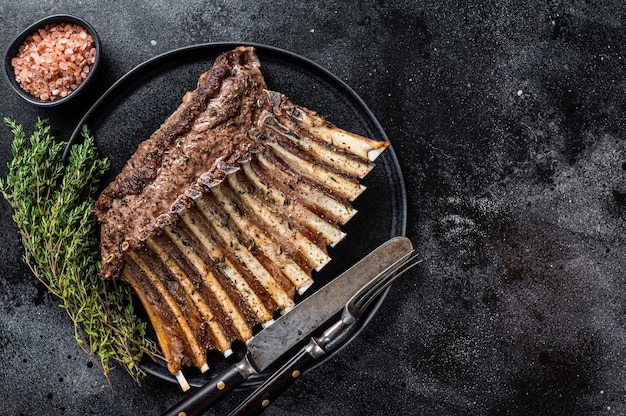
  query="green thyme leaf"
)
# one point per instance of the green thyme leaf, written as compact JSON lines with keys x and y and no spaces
{"x":52,"y":204}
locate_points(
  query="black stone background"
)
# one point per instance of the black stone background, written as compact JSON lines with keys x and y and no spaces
{"x":507,"y":119}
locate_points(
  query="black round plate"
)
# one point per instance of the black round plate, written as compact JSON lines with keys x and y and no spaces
{"x":137,"y":104}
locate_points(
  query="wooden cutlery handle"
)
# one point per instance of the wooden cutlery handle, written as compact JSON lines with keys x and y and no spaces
{"x":278,"y":382}
{"x":199,"y":401}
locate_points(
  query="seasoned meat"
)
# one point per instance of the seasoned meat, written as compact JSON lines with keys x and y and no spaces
{"x":210,"y":124}
{"x":221,"y":216}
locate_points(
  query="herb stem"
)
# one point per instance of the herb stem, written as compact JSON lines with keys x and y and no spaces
{"x":52,"y":204}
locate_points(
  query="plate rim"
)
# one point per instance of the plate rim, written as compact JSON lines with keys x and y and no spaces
{"x":153,"y":63}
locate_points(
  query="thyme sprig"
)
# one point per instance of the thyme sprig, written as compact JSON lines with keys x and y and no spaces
{"x":52,"y":204}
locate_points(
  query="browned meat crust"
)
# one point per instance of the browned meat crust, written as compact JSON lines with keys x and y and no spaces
{"x":222,"y":214}
{"x":178,"y":153}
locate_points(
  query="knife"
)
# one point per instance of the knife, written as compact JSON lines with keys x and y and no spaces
{"x":286,"y":332}
{"x":281,"y":379}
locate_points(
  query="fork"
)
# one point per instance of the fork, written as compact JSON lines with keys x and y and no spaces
{"x":354,"y":309}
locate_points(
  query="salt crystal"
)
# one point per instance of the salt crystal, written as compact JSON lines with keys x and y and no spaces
{"x":47,"y":64}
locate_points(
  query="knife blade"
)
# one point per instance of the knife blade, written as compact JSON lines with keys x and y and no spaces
{"x":286,"y":332}
{"x":281,"y":379}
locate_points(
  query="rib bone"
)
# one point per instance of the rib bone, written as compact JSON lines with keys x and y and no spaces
{"x":221,"y":216}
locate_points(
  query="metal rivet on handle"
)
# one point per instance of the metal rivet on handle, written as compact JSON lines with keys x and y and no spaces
{"x":265,"y":403}
{"x":221,"y":385}
{"x":295,"y":374}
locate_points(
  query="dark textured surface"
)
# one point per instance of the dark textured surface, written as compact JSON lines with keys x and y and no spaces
{"x":507,"y":119}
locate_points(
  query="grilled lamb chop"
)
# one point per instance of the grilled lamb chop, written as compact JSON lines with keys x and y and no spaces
{"x":221,"y":216}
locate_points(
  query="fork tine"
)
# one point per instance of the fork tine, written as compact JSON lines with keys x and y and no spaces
{"x":385,"y":283}
{"x":370,"y":295}
{"x":382,"y":276}
{"x":365,"y":299}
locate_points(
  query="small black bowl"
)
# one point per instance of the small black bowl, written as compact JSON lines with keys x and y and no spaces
{"x":13,"y":50}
